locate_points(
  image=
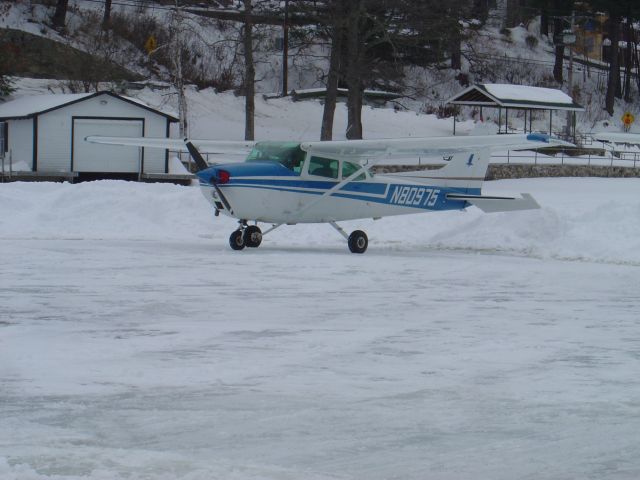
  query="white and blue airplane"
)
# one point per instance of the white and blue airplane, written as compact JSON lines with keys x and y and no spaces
{"x":615,"y":137}
{"x":285,"y":183}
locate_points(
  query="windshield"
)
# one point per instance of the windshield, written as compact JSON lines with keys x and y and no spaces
{"x":289,"y":154}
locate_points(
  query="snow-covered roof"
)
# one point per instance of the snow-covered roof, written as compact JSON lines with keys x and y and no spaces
{"x":30,"y":106}
{"x":515,"y":96}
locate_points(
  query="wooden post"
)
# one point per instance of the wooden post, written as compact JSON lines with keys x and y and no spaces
{"x":285,"y":50}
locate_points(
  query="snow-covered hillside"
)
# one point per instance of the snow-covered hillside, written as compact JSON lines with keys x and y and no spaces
{"x":490,"y":54}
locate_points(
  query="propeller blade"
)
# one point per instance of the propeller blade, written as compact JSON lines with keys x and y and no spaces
{"x":195,"y":154}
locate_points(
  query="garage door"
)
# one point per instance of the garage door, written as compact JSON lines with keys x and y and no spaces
{"x":92,"y":157}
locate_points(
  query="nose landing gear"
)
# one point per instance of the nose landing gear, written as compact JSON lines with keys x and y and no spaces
{"x":236,"y":241}
{"x":252,"y":236}
{"x":245,"y":236}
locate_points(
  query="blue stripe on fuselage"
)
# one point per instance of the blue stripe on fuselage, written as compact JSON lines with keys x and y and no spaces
{"x":401,"y":195}
{"x":363,"y":187}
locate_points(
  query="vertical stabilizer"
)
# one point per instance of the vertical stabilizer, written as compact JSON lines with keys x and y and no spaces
{"x":465,"y":170}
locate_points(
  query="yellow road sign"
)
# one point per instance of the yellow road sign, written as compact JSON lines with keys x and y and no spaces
{"x":151,"y":44}
{"x":628,"y":118}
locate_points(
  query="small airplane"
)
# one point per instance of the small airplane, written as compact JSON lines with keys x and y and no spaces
{"x":285,"y":183}
{"x":614,"y":137}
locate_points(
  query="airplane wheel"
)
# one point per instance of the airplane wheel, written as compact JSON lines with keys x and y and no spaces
{"x":236,"y":241}
{"x":358,"y":241}
{"x":252,"y":236}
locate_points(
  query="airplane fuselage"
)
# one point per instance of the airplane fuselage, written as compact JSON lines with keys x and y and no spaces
{"x":270,"y":193}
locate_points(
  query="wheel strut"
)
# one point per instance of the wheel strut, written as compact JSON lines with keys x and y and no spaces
{"x":357,"y":241}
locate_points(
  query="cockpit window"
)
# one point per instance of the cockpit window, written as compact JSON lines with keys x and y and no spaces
{"x":323,"y":167}
{"x":288,"y":154}
{"x":349,"y":169}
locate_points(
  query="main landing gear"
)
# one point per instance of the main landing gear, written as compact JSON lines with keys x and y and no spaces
{"x":251,"y":236}
{"x":357,"y":241}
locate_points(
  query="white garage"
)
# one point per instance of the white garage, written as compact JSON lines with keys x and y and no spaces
{"x":46,"y":134}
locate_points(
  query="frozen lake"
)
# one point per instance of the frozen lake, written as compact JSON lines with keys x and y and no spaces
{"x":437,"y":365}
{"x":175,"y":357}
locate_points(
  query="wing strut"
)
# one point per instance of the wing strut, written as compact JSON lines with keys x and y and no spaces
{"x":340,"y":230}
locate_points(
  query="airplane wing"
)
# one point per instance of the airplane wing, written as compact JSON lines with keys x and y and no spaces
{"x":631,"y":138}
{"x":204,"y":146}
{"x":414,"y":147}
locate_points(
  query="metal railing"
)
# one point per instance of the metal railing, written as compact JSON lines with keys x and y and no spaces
{"x":619,"y":159}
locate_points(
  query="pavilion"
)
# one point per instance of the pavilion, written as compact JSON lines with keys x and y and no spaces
{"x":516,"y":97}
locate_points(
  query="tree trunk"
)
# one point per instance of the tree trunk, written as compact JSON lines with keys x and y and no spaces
{"x":627,"y":60}
{"x":354,"y":71}
{"x":179,"y":86}
{"x":326,"y":132}
{"x":456,"y":52}
{"x":249,"y":73}
{"x":455,"y":36}
{"x":557,"y":67}
{"x":60,"y":14}
{"x":636,"y":60}
{"x":106,"y":19}
{"x":512,"y":18}
{"x":480,"y":10}
{"x":544,"y":22}
{"x":614,"y":67}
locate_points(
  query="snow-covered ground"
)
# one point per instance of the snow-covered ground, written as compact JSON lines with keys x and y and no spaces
{"x":134,"y":344}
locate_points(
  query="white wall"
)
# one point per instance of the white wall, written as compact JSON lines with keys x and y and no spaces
{"x":21,"y":141}
{"x":55,"y":140}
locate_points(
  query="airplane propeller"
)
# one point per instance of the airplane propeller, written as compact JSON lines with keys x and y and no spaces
{"x":203,"y":165}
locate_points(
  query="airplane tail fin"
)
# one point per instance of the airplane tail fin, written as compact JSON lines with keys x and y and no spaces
{"x":465,"y":170}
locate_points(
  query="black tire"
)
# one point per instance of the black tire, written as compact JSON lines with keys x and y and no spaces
{"x":252,"y":236}
{"x":358,"y":241}
{"x":236,"y":241}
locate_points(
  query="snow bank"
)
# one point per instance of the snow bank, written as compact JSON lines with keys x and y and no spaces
{"x":102,"y":210}
{"x":592,"y":219}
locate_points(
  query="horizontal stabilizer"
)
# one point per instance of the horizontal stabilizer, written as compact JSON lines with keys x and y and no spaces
{"x":491,"y":204}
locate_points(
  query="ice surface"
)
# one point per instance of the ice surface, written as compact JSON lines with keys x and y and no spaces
{"x":134,"y":344}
